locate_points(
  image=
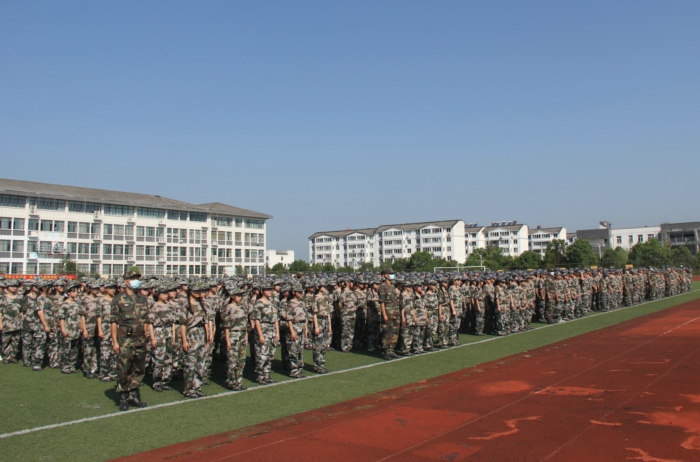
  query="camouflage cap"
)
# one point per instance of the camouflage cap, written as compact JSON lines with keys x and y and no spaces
{"x":72,"y":285}
{"x":131,"y":274}
{"x":234,"y":291}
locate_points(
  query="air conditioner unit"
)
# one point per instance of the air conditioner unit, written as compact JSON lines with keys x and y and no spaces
{"x":97,"y":214}
{"x":32,"y":209}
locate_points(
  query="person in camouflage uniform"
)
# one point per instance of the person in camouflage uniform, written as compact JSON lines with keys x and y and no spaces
{"x":360,"y":293}
{"x":128,"y":322}
{"x":323,"y":330}
{"x":421,"y":313}
{"x":432,"y":307}
{"x":69,"y":320}
{"x":408,"y":319}
{"x":295,"y":318}
{"x":282,"y":300}
{"x":266,"y":319}
{"x":503,"y":307}
{"x":88,"y":323}
{"x":235,"y":323}
{"x":374,"y":317}
{"x":390,"y":314}
{"x":43,"y":326}
{"x":348,"y":317}
{"x":29,"y":306}
{"x":194,"y":331}
{"x":162,"y":329}
{"x":11,"y":321}
{"x":445,"y":315}
{"x":55,"y":340}
{"x":108,"y":359}
{"x":456,"y":304}
{"x":213,"y":304}
{"x":308,"y":300}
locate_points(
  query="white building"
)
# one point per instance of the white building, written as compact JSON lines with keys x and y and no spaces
{"x":274,"y":257}
{"x":628,"y":237}
{"x":608,"y":237}
{"x":540,"y":237}
{"x":105,"y":232}
{"x":351,"y":248}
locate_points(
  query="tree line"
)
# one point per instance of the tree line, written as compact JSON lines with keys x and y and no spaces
{"x":559,"y":254}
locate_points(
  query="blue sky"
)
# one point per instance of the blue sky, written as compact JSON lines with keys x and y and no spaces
{"x":334,"y":115}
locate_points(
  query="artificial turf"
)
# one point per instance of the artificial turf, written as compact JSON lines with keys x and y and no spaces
{"x":34,"y":399}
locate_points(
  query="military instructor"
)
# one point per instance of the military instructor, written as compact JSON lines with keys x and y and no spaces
{"x":129,"y":317}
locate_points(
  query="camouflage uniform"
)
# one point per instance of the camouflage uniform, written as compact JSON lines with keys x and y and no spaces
{"x":130,"y":315}
{"x":389,"y":296}
{"x":430,"y":301}
{"x":69,"y":313}
{"x":212,"y":306}
{"x":421,"y":323}
{"x":444,"y":325}
{"x":162,"y":318}
{"x":296,"y":315}
{"x":374,"y":321}
{"x":90,"y":310}
{"x":408,"y":321}
{"x":502,"y":310}
{"x":361,"y":318}
{"x":266,"y":314}
{"x":235,"y":322}
{"x":12,"y":325}
{"x":108,"y":359}
{"x":29,"y":307}
{"x":41,"y":337}
{"x":54,"y":342}
{"x":478,"y":311}
{"x":456,"y":311}
{"x":348,"y":317}
{"x":193,"y":361}
{"x":323,"y":307}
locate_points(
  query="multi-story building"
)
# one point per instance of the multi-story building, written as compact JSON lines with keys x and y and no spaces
{"x":608,"y":237}
{"x":351,"y":248}
{"x":274,"y":257}
{"x":681,"y":235}
{"x":105,"y":232}
{"x":540,"y":237}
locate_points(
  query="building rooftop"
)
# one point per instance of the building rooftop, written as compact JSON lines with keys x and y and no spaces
{"x":370,"y":231}
{"x":104,"y":196}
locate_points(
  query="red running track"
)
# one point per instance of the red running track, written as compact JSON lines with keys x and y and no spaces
{"x":628,"y":392}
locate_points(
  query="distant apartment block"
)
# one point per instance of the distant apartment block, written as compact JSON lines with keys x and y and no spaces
{"x":274,"y":257}
{"x":105,"y":232}
{"x":351,"y":248}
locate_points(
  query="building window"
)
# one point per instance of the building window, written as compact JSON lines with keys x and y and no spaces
{"x":631,"y":239}
{"x":259,"y":224}
{"x":83,"y":207}
{"x":33,"y":224}
{"x":619,"y":239}
{"x":48,"y":204}
{"x":12,"y":201}
{"x":222,"y":221}
{"x":18,"y":224}
{"x":176,"y":215}
{"x":145,"y":212}
{"x":119,"y":210}
{"x":197,"y":216}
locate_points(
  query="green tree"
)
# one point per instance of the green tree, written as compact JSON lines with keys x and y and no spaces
{"x":681,"y":256}
{"x":491,"y":257}
{"x":68,"y":266}
{"x":528,"y":260}
{"x":649,"y":253}
{"x":555,"y":254}
{"x":580,"y":254}
{"x":279,"y":268}
{"x":421,"y":261}
{"x":299,"y":266}
{"x":366,"y":267}
{"x":614,"y":258}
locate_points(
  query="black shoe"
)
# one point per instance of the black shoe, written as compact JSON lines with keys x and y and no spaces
{"x":124,"y":401}
{"x":269,"y":380}
{"x":135,"y":399}
{"x":387,"y":357}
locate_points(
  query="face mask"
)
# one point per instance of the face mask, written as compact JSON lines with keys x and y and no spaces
{"x":135,"y":284}
{"x":392,"y":277}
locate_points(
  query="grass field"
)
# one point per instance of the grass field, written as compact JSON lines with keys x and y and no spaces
{"x":29,"y":400}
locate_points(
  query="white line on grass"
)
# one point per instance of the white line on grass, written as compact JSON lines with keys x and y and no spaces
{"x":286,"y":382}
